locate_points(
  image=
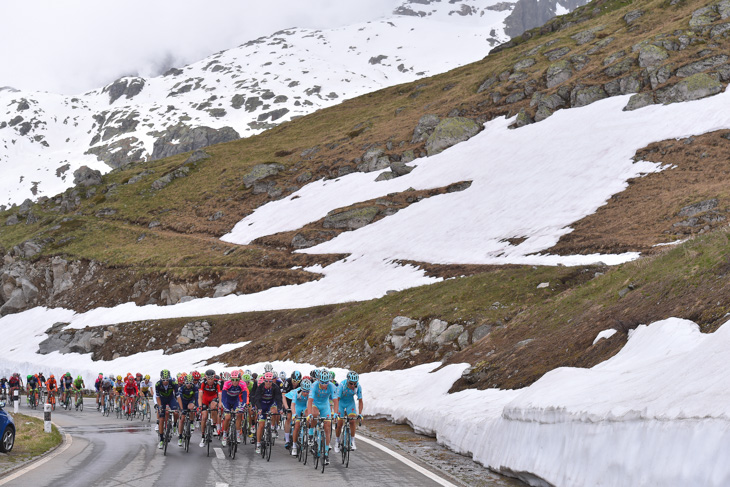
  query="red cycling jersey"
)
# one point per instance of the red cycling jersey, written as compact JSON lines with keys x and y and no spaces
{"x":130,"y":388}
{"x":209,"y":392}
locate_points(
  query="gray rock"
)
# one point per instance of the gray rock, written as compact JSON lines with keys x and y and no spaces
{"x":385,"y":176}
{"x":451,"y":334}
{"x":523,"y":118}
{"x":694,"y":87}
{"x":129,"y":87}
{"x":30,"y":249}
{"x":178,"y":173}
{"x":85,"y":176}
{"x":632,"y":16}
{"x":435,"y":329}
{"x":659,"y":75}
{"x":651,"y":55}
{"x":450,"y":132}
{"x":261,"y":171}
{"x":225,"y":288}
{"x":640,"y":100}
{"x":374,"y":160}
{"x":463,"y":339}
{"x":584,"y":37}
{"x":486,"y":84}
{"x":582,"y":96}
{"x":524,"y":64}
{"x":704,"y":16}
{"x":558,"y":73}
{"x":12,"y":220}
{"x":481,"y":332}
{"x":579,"y":61}
{"x":555,"y":54}
{"x":216,"y":216}
{"x":400,"y":324}
{"x":238,"y":100}
{"x":697,"y":208}
{"x":196,"y":156}
{"x":400,"y":169}
{"x":399,"y":342}
{"x":524,"y":342}
{"x":424,"y":128}
{"x":351,"y":219}
{"x":702,"y":65}
{"x":614,"y":57}
{"x":181,"y":138}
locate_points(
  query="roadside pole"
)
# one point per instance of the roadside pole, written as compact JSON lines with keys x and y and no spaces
{"x":47,"y":418}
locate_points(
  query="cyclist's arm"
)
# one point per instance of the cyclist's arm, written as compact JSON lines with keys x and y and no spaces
{"x":310,"y":403}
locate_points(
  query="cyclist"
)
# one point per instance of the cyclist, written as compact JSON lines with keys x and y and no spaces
{"x":267,"y":399}
{"x":289,"y":385}
{"x":299,"y":398}
{"x":196,"y":378}
{"x":97,"y":386}
{"x":4,"y":385}
{"x":138,"y":379}
{"x":78,"y":385}
{"x":52,"y":389}
{"x":41,"y":379}
{"x":318,"y":406}
{"x":187,"y":399}
{"x":233,"y":397}
{"x":31,"y":384}
{"x":107,"y":386}
{"x":144,"y":386}
{"x":14,"y":384}
{"x":346,"y":395}
{"x":209,"y":397}
{"x":130,"y":393}
{"x":165,"y":395}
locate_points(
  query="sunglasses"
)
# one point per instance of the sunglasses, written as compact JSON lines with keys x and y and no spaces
{"x":235,"y":380}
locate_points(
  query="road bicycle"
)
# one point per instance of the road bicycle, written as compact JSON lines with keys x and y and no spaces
{"x":301,"y":440}
{"x":143,"y":407}
{"x":209,"y":431}
{"x":31,"y":399}
{"x":67,"y":400}
{"x":233,"y":434}
{"x":186,"y":430}
{"x":320,"y":450}
{"x":52,"y":400}
{"x":106,"y":407}
{"x":267,"y":440}
{"x":79,"y":401}
{"x":167,"y":434}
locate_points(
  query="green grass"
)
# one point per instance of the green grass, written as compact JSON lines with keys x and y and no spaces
{"x":31,"y":441}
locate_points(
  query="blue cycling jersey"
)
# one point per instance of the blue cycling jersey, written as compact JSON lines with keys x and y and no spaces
{"x":322,"y":395}
{"x":187,"y":393}
{"x":347,"y":395}
{"x":299,"y":398}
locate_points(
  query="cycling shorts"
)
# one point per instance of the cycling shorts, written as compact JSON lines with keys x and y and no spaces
{"x":188,"y":402}
{"x":324,"y":409}
{"x":265,"y":407}
{"x":170,"y":402}
{"x":231,"y":403}
{"x":346,"y":409}
{"x":208,"y":398}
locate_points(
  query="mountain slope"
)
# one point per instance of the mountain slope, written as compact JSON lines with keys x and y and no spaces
{"x":45,"y":137}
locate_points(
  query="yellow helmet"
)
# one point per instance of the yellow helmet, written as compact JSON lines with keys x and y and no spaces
{"x":119,"y":377}
{"x":147,"y":377}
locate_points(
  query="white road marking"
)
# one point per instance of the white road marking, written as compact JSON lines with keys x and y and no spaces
{"x":413,"y":465}
{"x":219,"y":453}
{"x":34,"y":465}
{"x":221,"y":484}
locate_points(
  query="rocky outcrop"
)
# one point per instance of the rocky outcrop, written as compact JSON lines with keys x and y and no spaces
{"x":374,"y":159}
{"x":351,"y":219}
{"x":694,"y":87}
{"x":120,"y":152}
{"x":260,"y":172}
{"x":425,"y":127}
{"x":85,"y":176}
{"x":528,"y":14}
{"x":195,"y":332}
{"x":449,"y":132}
{"x":129,"y":87}
{"x":409,"y":337}
{"x":183,"y":138}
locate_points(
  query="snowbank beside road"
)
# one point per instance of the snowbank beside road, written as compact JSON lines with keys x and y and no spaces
{"x":657,"y":413}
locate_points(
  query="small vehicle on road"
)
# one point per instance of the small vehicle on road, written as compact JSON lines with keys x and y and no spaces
{"x":7,"y":427}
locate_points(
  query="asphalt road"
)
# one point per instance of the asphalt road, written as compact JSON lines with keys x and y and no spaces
{"x":115,"y":452}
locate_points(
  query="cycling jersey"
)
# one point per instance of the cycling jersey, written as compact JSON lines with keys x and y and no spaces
{"x":78,"y":384}
{"x":118,"y":386}
{"x":210,"y":392}
{"x":130,"y":389}
{"x":66,"y":382}
{"x":288,"y":386}
{"x":188,"y":394}
{"x":321,"y":397}
{"x":299,"y":398}
{"x":233,"y":395}
{"x":267,"y":397}
{"x":166,"y":391}
{"x":347,"y":399}
{"x":107,"y":385}
{"x":51,"y":384}
{"x":14,"y":382}
{"x":97,"y":384}
{"x":32,"y":383}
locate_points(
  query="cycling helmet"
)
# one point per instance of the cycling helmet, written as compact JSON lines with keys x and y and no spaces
{"x":188,"y":381}
{"x":353,"y":377}
{"x":100,"y":374}
{"x":268,"y":368}
{"x":324,"y":376}
{"x":196,"y":375}
{"x":210,"y":373}
{"x":164,"y":375}
{"x":29,"y":377}
{"x":246,"y":377}
{"x":282,"y":375}
{"x":332,"y":375}
{"x":296,"y":375}
{"x":268,"y":377}
{"x":226,"y":376}
{"x":51,"y":377}
{"x":147,"y":377}
{"x":314,"y":373}
{"x":306,"y":385}
{"x":119,"y":377}
{"x":306,"y":377}
{"x":235,"y":375}
{"x":139,"y":375}
{"x":248,"y":372}
{"x":79,"y":378}
{"x":68,"y":374}
{"x":260,"y":380}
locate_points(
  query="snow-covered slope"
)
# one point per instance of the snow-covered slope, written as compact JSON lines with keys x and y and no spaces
{"x":44,"y":137}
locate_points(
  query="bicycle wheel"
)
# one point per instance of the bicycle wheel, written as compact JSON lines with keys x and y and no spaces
{"x":231,"y":437}
{"x":315,"y":449}
{"x":346,"y":446}
{"x":168,"y":434}
{"x":208,"y":433}
{"x":80,"y":403}
{"x":186,"y":434}
{"x":269,"y":441}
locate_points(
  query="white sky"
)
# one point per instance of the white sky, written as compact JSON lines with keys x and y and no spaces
{"x":77,"y":45}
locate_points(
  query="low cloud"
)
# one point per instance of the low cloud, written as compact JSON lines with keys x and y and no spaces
{"x":78,"y":45}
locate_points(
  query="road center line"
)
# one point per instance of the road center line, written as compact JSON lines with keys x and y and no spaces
{"x":413,"y":465}
{"x":221,"y":456}
{"x":221,"y":484}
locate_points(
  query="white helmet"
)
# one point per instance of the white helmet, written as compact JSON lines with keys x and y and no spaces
{"x":268,"y":368}
{"x":282,"y":375}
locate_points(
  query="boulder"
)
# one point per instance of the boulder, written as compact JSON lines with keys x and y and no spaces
{"x":704,"y":16}
{"x":449,"y":132}
{"x":424,"y":128}
{"x":351,"y":219}
{"x":12,"y":220}
{"x":555,"y":54}
{"x":620,"y":68}
{"x":486,"y":84}
{"x":400,"y":324}
{"x":701,"y":65}
{"x":451,"y":334}
{"x":584,"y":37}
{"x":181,"y":138}
{"x":399,"y":342}
{"x":435,"y":329}
{"x":197,"y":155}
{"x":697,"y":208}
{"x":640,"y":100}
{"x":385,"y":176}
{"x":85,"y":176}
{"x":400,"y":169}
{"x":558,"y":73}
{"x":632,"y":16}
{"x":523,"y":118}
{"x":585,"y":95}
{"x":261,"y":171}
{"x":225,"y":288}
{"x":651,"y":55}
{"x":524,"y":64}
{"x":480,"y":332}
{"x":694,"y":87}
{"x":374,"y":159}
{"x":463,"y":339}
